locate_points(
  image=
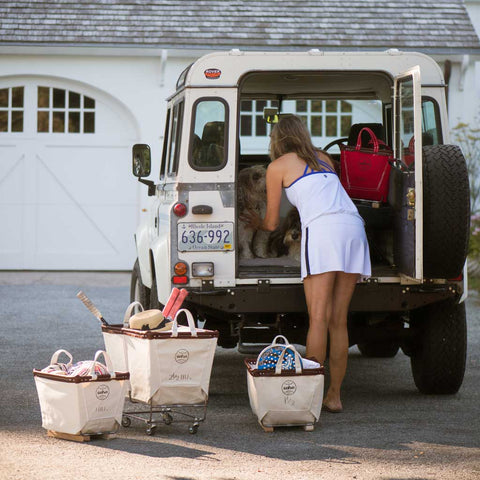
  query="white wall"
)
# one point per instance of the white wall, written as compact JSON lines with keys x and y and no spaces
{"x":130,"y":95}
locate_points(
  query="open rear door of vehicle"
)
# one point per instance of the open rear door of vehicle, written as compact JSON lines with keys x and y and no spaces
{"x":406,"y":182}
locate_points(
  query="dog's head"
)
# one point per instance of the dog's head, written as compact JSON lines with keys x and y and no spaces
{"x":251,"y":185}
{"x":287,"y":237}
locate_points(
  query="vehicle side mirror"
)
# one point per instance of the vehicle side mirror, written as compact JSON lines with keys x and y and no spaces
{"x":141,"y":160}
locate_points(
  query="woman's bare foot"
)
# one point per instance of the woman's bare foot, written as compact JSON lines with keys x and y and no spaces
{"x":332,"y":403}
{"x":326,"y":408}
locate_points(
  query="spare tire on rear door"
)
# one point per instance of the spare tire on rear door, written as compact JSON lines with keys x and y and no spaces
{"x":446,"y":211}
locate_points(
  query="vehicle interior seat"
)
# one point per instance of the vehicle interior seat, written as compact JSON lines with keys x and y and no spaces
{"x":212,"y":150}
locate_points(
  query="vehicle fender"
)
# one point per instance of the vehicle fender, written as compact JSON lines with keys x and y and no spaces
{"x":160,"y":249}
{"x":142,"y":242}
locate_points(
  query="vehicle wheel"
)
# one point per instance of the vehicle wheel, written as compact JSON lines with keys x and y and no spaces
{"x":138,"y":291}
{"x":225,"y":338}
{"x":378,"y":349}
{"x":446,"y":211}
{"x":438,"y":360}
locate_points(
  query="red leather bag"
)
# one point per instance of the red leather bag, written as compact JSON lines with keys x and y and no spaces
{"x":365,"y":171}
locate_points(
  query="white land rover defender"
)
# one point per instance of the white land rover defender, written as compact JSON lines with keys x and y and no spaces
{"x":216,"y":128}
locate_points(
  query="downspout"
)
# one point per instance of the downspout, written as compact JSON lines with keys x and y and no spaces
{"x":463,"y":70}
{"x":447,"y":72}
{"x":163,"y":66}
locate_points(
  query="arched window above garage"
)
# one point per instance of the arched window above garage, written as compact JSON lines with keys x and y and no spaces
{"x":64,"y":111}
{"x":11,"y":109}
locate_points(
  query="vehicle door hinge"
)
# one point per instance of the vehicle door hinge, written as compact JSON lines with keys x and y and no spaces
{"x":411,"y":197}
{"x":263,"y":286}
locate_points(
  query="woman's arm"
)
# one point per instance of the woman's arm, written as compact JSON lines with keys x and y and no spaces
{"x":274,"y":181}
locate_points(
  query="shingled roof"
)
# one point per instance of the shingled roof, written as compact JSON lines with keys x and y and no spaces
{"x":438,"y":26}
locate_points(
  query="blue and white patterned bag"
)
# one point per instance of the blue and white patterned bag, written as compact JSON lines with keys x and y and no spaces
{"x":268,"y":357}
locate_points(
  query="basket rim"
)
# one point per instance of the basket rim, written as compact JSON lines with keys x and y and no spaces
{"x":152,"y":334}
{"x":81,"y":379}
{"x":270,"y":372}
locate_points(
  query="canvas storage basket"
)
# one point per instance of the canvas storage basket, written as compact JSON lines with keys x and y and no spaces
{"x":166,"y":367}
{"x":285,"y":397}
{"x":115,"y":344}
{"x":364,"y":172}
{"x":77,"y":405}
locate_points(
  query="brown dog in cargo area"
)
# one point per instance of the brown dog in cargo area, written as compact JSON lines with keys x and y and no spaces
{"x":286,"y":239}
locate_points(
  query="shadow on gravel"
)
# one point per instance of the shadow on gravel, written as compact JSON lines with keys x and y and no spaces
{"x":151,"y":448}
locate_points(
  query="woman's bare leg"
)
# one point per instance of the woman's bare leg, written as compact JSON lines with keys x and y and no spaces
{"x":337,"y":327}
{"x":319,"y":297}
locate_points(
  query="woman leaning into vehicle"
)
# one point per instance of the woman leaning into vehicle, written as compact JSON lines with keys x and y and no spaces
{"x":334,"y":245}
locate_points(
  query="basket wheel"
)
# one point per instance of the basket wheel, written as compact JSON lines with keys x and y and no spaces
{"x":167,"y":418}
{"x":193,"y":429}
{"x":126,"y":422}
{"x":151,"y":429}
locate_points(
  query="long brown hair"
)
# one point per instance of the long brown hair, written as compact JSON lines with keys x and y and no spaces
{"x":290,"y":135}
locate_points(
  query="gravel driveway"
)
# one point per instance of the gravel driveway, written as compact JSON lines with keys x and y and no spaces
{"x":388,"y":429}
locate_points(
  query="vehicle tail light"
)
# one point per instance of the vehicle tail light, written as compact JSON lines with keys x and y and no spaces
{"x":180,"y":268}
{"x":180,"y":280}
{"x":180,"y":209}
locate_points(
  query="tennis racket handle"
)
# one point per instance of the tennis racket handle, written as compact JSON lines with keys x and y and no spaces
{"x":171,"y":300}
{"x":178,"y":303}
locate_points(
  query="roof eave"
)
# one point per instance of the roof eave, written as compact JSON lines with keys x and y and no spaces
{"x":97,"y":48}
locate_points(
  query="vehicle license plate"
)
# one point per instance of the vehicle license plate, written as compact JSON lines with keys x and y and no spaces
{"x":205,"y":236}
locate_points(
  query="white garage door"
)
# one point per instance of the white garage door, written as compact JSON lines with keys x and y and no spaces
{"x":67,"y":196}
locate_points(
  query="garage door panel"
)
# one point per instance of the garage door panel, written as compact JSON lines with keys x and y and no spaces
{"x":66,"y":189}
{"x":92,"y":174}
{"x":11,"y":239}
{"x":74,"y":236}
{"x":60,"y":226}
{"x":12,"y":218}
{"x":12,"y":176}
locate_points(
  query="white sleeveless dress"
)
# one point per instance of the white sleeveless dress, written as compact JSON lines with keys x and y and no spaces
{"x":333,"y":232}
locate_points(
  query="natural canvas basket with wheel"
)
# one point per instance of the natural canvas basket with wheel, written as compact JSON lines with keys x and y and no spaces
{"x":285,"y":397}
{"x":166,"y":367}
{"x":81,"y":404}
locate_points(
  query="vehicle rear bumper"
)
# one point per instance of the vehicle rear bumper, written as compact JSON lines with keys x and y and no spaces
{"x":265,"y":298}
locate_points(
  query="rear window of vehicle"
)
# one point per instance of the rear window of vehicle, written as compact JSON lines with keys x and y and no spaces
{"x":208,"y":141}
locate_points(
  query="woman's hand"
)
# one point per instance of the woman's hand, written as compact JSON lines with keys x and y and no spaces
{"x":251,"y":219}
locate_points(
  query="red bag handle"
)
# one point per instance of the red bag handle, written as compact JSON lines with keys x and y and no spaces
{"x":373,"y":137}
